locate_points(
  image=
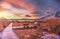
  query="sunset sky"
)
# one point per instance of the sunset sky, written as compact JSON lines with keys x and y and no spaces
{"x":38,"y":7}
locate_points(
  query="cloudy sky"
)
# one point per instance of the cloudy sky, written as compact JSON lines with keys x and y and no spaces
{"x":39,"y":7}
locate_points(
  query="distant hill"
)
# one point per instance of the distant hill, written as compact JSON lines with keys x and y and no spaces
{"x":57,"y":14}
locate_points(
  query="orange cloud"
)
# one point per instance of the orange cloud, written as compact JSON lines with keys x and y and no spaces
{"x":22,"y":4}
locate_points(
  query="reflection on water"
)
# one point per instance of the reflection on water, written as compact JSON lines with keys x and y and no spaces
{"x":8,"y":33}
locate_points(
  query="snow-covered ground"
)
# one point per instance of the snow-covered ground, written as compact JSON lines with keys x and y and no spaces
{"x":8,"y":33}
